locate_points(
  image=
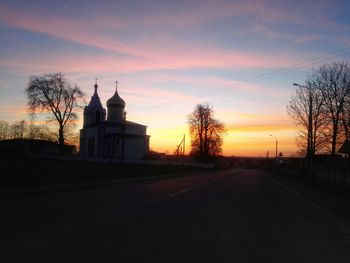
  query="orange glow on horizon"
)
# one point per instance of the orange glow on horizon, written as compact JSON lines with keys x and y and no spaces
{"x":240,"y":142}
{"x":247,"y":138}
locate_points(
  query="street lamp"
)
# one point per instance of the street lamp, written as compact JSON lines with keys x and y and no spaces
{"x":276,"y":142}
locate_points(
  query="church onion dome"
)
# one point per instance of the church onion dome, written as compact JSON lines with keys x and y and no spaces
{"x":95,"y":102}
{"x":116,"y":100}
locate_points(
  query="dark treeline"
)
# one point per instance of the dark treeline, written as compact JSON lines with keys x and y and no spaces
{"x":321,"y":109}
{"x":23,"y":130}
{"x":28,"y":130}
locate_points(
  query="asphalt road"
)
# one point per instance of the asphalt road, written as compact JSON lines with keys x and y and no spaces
{"x":231,"y":216}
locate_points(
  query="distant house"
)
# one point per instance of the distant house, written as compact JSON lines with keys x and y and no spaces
{"x":110,"y":135}
{"x":32,"y":147}
{"x":345,"y":148}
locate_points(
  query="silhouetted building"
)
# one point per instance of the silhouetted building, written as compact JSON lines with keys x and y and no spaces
{"x":111,"y":135}
{"x":16,"y":147}
{"x":345,"y":148}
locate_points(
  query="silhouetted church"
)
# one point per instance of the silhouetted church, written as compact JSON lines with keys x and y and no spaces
{"x":101,"y":137}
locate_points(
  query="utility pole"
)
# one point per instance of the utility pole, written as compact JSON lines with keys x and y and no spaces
{"x":183,"y":153}
{"x":276,"y":143}
{"x":180,"y":150}
{"x":310,"y":152}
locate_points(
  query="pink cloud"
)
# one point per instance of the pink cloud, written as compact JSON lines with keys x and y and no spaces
{"x":157,"y":93}
{"x":179,"y":59}
{"x":163,"y":52}
{"x":68,"y":29}
{"x":85,"y":30}
{"x":307,"y":38}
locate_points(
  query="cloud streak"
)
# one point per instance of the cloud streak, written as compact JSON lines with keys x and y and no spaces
{"x":163,"y":53}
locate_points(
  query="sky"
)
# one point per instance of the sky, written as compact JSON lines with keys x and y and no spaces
{"x":240,"y":56}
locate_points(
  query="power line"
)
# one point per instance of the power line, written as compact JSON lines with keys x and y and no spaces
{"x":255,"y":79}
{"x":261,"y":77}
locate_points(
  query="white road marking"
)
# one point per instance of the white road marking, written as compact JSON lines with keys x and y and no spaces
{"x":192,"y":188}
{"x":162,"y":198}
{"x":181,"y":192}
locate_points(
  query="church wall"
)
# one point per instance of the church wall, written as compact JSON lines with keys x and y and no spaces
{"x":129,"y":129}
{"x":135,"y":129}
{"x":81,"y":142}
{"x":134,"y":148}
{"x":82,"y":145}
{"x":146,"y":145}
{"x":98,"y":141}
{"x":113,"y":130}
{"x":94,"y":117}
{"x":90,"y":141}
{"x":88,"y":118}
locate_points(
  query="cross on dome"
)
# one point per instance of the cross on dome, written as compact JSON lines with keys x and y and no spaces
{"x":116,"y":100}
{"x":96,"y":86}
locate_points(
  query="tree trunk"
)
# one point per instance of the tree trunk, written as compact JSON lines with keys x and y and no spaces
{"x":334,"y":139}
{"x":200,"y":141}
{"x":61,"y":139}
{"x":206,"y":143}
{"x":201,"y":137}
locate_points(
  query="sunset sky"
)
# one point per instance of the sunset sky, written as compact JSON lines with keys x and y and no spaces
{"x":240,"y":56}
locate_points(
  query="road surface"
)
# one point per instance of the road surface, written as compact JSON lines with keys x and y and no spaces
{"x":239,"y":215}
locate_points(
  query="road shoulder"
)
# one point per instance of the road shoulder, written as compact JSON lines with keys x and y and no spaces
{"x":334,"y":205}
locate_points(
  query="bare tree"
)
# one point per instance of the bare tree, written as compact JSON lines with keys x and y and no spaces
{"x":345,"y":119}
{"x":18,"y":129}
{"x":334,"y":84}
{"x":306,"y":110}
{"x":40,"y":132}
{"x":324,"y":102}
{"x":206,"y":131}
{"x":4,"y":130}
{"x":33,"y":131}
{"x":52,"y":93}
